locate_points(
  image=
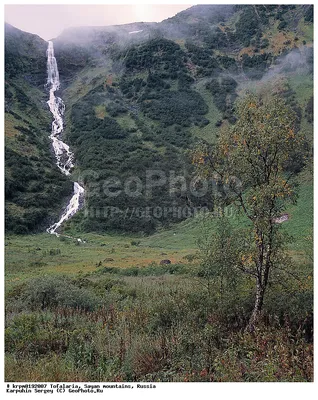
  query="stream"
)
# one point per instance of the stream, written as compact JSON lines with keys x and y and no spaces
{"x":64,"y":156}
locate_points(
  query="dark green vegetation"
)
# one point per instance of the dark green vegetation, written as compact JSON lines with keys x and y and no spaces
{"x":224,"y":95}
{"x":34,"y":187}
{"x":25,"y":56}
{"x":107,"y":149}
{"x":142,"y":101}
{"x":107,"y":310}
{"x":138,"y":102}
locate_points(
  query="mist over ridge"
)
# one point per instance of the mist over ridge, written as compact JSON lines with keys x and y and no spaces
{"x":142,"y":94}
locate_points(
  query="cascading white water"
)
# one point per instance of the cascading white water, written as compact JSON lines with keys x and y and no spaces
{"x":71,"y":208}
{"x":64,"y":157}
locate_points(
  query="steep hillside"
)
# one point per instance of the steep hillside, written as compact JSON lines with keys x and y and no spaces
{"x":34,"y":187}
{"x":139,"y":101}
{"x":139,"y":96}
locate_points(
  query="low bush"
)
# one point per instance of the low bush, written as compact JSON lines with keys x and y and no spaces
{"x":49,"y":291}
{"x":122,"y":327}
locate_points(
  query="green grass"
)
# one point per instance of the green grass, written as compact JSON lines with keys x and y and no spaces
{"x":300,"y":224}
{"x":12,"y":136}
{"x":209,"y":131}
{"x":126,"y":122}
{"x":86,"y":80}
{"x":303,"y":86}
{"x":35,"y":255}
{"x":305,"y":30}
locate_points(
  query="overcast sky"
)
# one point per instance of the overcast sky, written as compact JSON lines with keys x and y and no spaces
{"x":48,"y":21}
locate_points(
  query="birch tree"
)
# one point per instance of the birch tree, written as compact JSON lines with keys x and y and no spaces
{"x":251,"y":159}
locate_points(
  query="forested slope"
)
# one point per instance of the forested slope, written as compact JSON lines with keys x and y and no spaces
{"x":141,"y":101}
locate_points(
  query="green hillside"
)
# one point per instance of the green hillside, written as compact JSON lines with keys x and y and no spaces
{"x":153,"y":281}
{"x":34,"y":187}
{"x":140,"y":102}
{"x":167,"y":89}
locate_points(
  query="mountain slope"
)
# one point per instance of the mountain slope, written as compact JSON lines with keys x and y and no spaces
{"x":34,"y":187}
{"x":142,"y":100}
{"x":139,"y":101}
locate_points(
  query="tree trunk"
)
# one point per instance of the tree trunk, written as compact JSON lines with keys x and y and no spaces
{"x":259,"y":299}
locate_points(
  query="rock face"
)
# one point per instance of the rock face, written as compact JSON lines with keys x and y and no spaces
{"x":164,"y":262}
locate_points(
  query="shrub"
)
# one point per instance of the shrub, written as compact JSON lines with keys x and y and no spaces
{"x":282,"y":25}
{"x":49,"y":292}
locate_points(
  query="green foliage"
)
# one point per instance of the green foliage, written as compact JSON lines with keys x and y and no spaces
{"x":132,"y":87}
{"x":150,"y":270}
{"x":115,"y":109}
{"x":247,"y":25}
{"x":203,"y":57}
{"x":157,"y":53}
{"x":216,"y":39}
{"x":25,"y":54}
{"x":49,"y":292}
{"x":152,"y":329}
{"x":34,"y":189}
{"x":224,"y":95}
{"x":282,"y":25}
{"x":264,"y":43}
{"x":228,"y":63}
{"x":181,"y":107}
{"x":251,"y":158}
{"x":309,"y":14}
{"x":309,"y":110}
{"x":105,"y":148}
{"x":219,"y":253}
{"x":255,"y":67}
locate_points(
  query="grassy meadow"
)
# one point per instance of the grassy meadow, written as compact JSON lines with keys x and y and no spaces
{"x":106,"y":310}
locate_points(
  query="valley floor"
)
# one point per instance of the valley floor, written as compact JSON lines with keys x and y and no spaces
{"x":107,"y":310}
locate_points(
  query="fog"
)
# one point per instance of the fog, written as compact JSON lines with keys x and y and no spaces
{"x":296,"y":61}
{"x":48,"y":21}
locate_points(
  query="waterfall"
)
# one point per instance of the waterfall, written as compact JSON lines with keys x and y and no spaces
{"x":64,"y":156}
